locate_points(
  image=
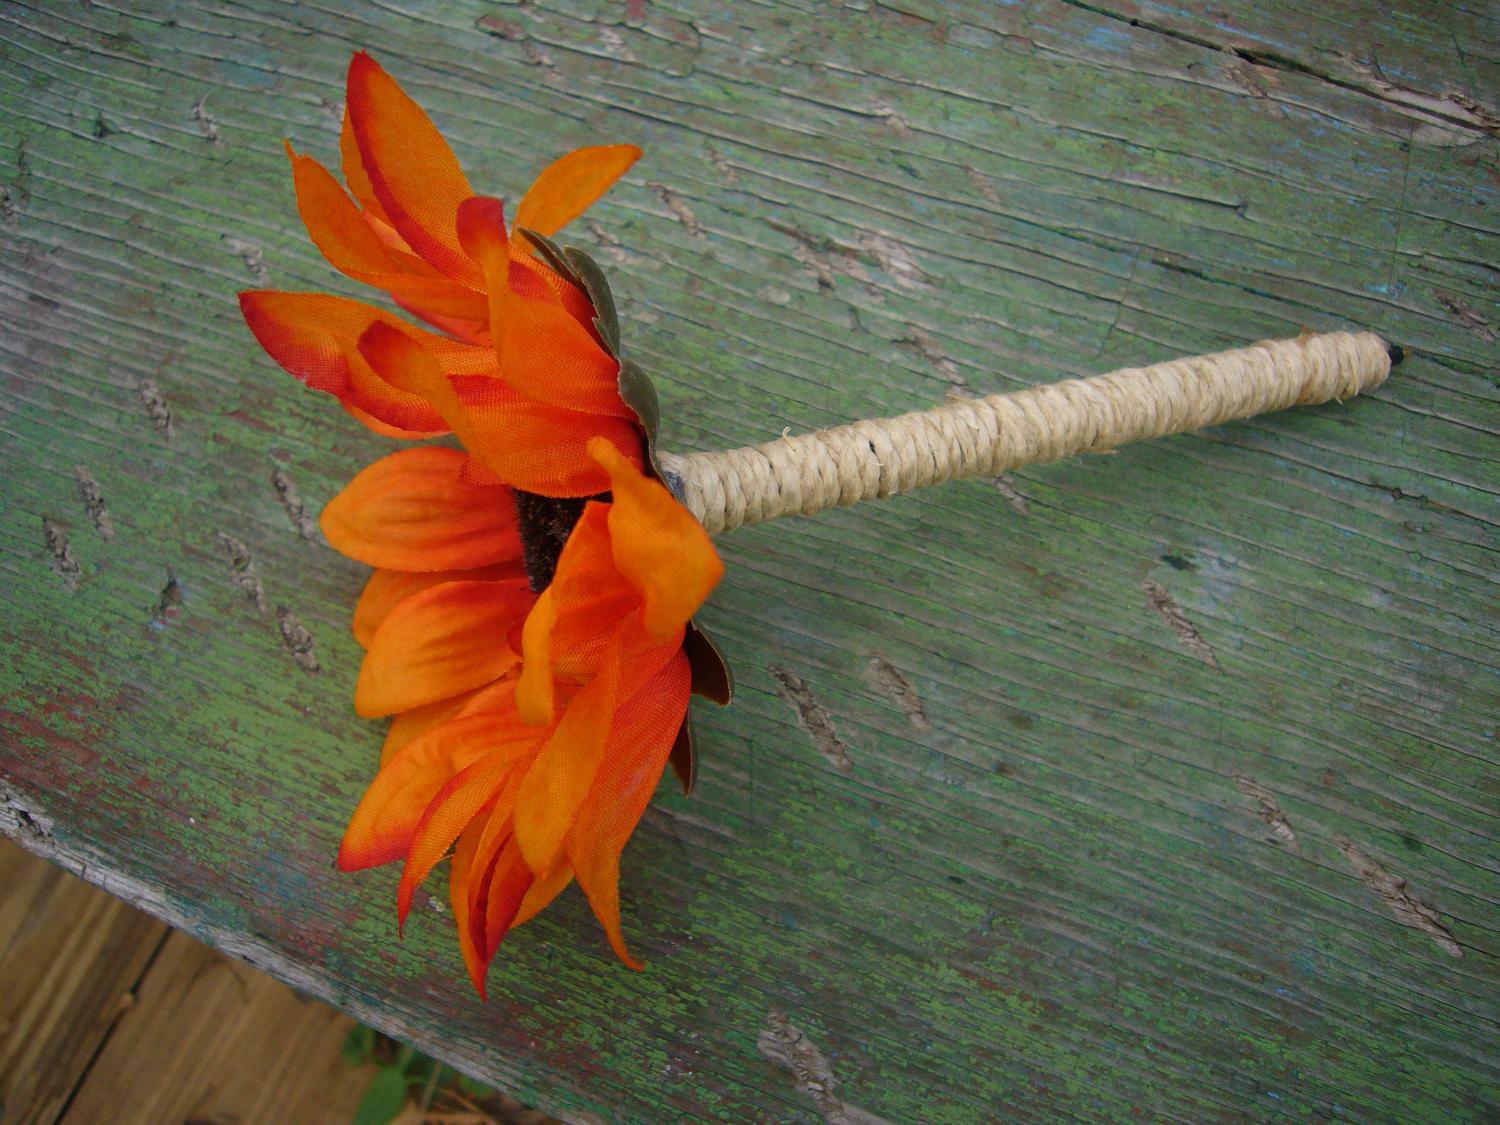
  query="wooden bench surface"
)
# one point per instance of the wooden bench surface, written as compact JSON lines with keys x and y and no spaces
{"x":1161,"y":784}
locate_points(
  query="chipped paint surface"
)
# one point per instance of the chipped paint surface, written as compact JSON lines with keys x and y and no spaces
{"x":1052,"y":901}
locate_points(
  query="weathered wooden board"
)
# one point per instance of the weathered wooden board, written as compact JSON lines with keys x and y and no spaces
{"x":70,"y":957}
{"x":106,"y":1015}
{"x":1163,"y":784}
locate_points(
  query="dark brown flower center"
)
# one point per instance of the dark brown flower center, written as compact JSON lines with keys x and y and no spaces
{"x":545,"y":522}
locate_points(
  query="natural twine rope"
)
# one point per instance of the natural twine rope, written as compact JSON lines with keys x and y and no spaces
{"x":984,"y":437}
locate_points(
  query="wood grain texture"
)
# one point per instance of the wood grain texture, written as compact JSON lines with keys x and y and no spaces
{"x":1103,"y":876}
{"x":220,"y":1042}
{"x":70,"y":958}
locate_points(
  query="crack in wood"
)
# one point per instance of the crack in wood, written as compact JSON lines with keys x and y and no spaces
{"x":897,"y":688}
{"x":298,"y":640}
{"x":1453,"y":109}
{"x":242,"y":571}
{"x":1268,"y":808}
{"x":156,"y":407}
{"x":615,"y":43}
{"x":824,"y":257}
{"x":252,"y":255}
{"x":166,"y":604}
{"x":897,"y":260}
{"x":1192,"y":640}
{"x":1006,"y":488}
{"x":814,"y":720}
{"x":61,"y":551}
{"x":23,"y":818}
{"x":786,"y":1046}
{"x":207,"y":123}
{"x":927,"y":346}
{"x":1394,"y":892}
{"x":680,"y":210}
{"x":93,"y":502}
{"x":1465,"y":315}
{"x":291,"y":502}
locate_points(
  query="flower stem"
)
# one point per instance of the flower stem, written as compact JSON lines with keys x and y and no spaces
{"x":867,"y":460}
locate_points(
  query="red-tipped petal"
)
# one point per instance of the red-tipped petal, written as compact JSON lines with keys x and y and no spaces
{"x":544,"y":352}
{"x":639,"y":743}
{"x":315,"y":337}
{"x":411,"y":169}
{"x":387,"y":817}
{"x":460,"y":872}
{"x":449,"y":813}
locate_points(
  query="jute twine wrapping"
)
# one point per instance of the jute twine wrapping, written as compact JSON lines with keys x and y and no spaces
{"x":808,"y":473}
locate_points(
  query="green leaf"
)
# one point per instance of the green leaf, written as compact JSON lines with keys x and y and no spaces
{"x":473,"y":1087}
{"x":596,"y":285}
{"x":684,"y":756}
{"x":553,"y":254}
{"x":712,"y":677}
{"x":359,"y":1045}
{"x":639,"y":393}
{"x":384,"y":1098}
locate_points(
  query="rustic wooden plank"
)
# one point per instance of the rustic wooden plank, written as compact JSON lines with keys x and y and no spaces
{"x":1100,"y":874}
{"x":211,"y":1039}
{"x":70,"y":957}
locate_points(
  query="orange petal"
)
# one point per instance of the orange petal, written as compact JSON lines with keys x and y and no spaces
{"x":315,"y":337}
{"x":509,"y":884}
{"x":384,"y":430}
{"x":639,"y":743}
{"x":569,"y":185}
{"x":408,"y":726}
{"x":526,"y":444}
{"x":338,"y":229}
{"x":534,"y":688}
{"x":543,"y":448}
{"x":450,"y":812}
{"x":498,"y":696}
{"x":546,"y":888}
{"x":543,"y":351}
{"x":439,"y":643}
{"x":480,"y":225}
{"x":357,"y":178}
{"x":657,"y":545}
{"x":386,"y":589}
{"x":559,"y":778}
{"x":412,"y":171}
{"x":564,"y":770}
{"x":413,"y":510}
{"x":388,"y":815}
{"x":589,"y":600}
{"x":459,"y":874}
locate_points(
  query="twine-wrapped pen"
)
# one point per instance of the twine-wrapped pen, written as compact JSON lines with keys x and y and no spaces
{"x":808,"y":473}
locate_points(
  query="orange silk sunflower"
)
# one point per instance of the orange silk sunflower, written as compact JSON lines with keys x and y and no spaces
{"x":528,"y":625}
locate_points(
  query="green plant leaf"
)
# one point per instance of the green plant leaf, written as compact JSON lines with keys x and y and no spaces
{"x":684,"y":756}
{"x":384,"y":1098}
{"x":712,"y":677}
{"x":359,"y":1045}
{"x":553,"y":254}
{"x":596,"y":285}
{"x":639,"y":393}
